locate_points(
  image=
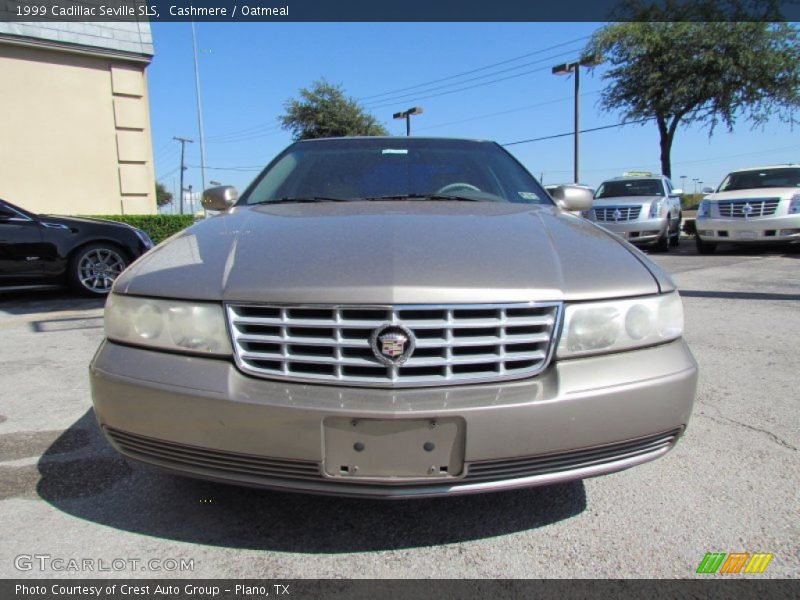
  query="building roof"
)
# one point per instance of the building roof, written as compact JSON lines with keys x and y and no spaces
{"x":130,"y":39}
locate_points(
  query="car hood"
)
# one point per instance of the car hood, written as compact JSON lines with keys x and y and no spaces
{"x":625,"y":200}
{"x":393,"y":252}
{"x":775,"y":192}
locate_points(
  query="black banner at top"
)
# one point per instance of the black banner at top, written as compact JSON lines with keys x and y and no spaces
{"x":406,"y":10}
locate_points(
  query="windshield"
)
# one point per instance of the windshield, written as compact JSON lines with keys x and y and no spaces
{"x":763,"y":178}
{"x":401,"y":168}
{"x":630,"y":187}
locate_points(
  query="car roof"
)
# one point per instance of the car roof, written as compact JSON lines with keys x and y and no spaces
{"x":395,"y":138}
{"x":783,"y":166}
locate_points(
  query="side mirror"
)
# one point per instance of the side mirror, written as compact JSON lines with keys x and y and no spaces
{"x":220,"y":198}
{"x":708,"y":190}
{"x":572,"y":197}
{"x":677,"y":192}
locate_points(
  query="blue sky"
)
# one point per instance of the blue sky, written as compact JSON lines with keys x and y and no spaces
{"x":248,"y":71}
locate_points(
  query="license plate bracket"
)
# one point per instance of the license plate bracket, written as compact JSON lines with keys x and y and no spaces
{"x":745,"y":235}
{"x":393,"y":449}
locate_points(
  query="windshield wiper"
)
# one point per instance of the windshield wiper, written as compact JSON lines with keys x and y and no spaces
{"x":436,"y":197}
{"x":303,"y":199}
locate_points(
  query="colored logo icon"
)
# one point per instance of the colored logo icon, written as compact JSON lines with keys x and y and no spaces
{"x":735,"y":562}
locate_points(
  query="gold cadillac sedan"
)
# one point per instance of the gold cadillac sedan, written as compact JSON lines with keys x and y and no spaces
{"x":395,"y":318}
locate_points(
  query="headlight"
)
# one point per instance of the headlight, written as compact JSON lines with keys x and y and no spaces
{"x":794,"y":205}
{"x":656,"y":209}
{"x":167,"y":324}
{"x":600,"y":327}
{"x":704,"y":208}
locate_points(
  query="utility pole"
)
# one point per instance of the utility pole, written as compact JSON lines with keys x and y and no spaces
{"x":183,"y":168}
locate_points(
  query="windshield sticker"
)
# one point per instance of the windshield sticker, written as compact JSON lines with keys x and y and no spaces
{"x":394,"y":151}
{"x":529,"y":195}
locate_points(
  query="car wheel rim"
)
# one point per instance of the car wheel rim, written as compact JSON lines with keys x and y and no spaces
{"x":98,"y":269}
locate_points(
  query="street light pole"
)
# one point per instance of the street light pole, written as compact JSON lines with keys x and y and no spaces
{"x":565,"y":69}
{"x":199,"y":111}
{"x":406,"y":114}
{"x":577,"y":119}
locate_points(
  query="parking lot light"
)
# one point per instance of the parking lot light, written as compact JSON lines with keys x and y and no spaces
{"x":566,"y":69}
{"x":406,"y":114}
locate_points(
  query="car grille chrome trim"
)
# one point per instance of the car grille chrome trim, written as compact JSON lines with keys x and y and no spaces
{"x":759,"y":207}
{"x":454,"y":344}
{"x":609,"y":213}
{"x":139,"y":446}
{"x":514,"y":468}
{"x":239,"y":466}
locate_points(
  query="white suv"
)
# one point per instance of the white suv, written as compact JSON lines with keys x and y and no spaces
{"x":761,"y":204}
{"x":642,"y":208}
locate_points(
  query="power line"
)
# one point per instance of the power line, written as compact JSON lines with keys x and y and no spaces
{"x":560,"y":135}
{"x":393,"y":101}
{"x":246,"y":138}
{"x":245,"y":132}
{"x":233,"y":168}
{"x":470,"y":72}
{"x":265,"y":129}
{"x":167,"y":174}
{"x":508,"y":111}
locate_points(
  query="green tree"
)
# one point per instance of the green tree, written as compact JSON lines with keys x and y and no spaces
{"x":324,"y":111}
{"x":162,"y":195}
{"x":708,"y":73}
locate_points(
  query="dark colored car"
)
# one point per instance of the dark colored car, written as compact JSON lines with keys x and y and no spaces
{"x":46,"y":250}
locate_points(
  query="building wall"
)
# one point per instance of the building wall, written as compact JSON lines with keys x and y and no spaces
{"x":75,"y":135}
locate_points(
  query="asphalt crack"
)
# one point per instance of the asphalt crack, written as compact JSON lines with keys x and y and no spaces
{"x":775,"y":438}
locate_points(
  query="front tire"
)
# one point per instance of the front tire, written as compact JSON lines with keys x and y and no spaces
{"x":663,"y":243}
{"x":704,"y":247}
{"x":93,"y":268}
{"x":675,"y":239}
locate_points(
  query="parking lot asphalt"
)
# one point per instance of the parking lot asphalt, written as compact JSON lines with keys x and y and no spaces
{"x":731,"y":485}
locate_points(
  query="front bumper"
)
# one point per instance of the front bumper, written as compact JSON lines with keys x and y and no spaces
{"x":580,"y":418}
{"x":639,"y":231}
{"x":784,"y":228}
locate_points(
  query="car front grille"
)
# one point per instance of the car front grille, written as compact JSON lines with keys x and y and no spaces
{"x":617,"y":213}
{"x":744,"y":209}
{"x":544,"y":464}
{"x":176,"y":455}
{"x":249,"y":467}
{"x":461,"y":343}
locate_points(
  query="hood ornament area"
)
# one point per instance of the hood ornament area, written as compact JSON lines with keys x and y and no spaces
{"x":392,"y":344}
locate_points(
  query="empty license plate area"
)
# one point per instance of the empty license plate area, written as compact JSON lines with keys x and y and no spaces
{"x":745,"y":235}
{"x":399,"y":449}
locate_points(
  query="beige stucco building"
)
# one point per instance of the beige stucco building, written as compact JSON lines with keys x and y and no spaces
{"x":75,"y":134}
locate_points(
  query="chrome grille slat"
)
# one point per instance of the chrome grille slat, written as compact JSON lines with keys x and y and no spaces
{"x":459,"y":343}
{"x":562,"y":461}
{"x":737,"y":209}
{"x":215,"y":460}
{"x":608,"y":213}
{"x":343,"y":343}
{"x":411,"y":324}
